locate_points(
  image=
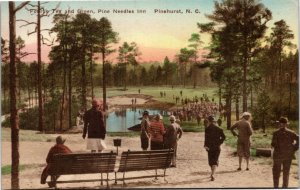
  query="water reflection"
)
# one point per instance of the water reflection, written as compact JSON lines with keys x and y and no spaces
{"x":120,"y":120}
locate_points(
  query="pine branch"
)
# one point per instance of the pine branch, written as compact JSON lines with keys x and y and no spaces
{"x":21,"y":6}
{"x":35,"y":30}
{"x":28,"y":23}
{"x":25,"y":54}
{"x":46,"y":39}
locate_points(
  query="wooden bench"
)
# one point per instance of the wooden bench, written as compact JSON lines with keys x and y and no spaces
{"x":82,"y":163}
{"x":144,"y":160}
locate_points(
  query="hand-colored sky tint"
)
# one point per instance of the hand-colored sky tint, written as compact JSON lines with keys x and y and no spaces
{"x":157,"y":35}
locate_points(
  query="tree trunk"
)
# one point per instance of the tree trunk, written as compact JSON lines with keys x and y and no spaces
{"x":70,"y":60}
{"x":251,"y":91}
{"x":194,"y":76}
{"x":40,"y":94}
{"x":125,"y":76}
{"x":104,"y":81}
{"x":62,"y":110}
{"x":228,"y":111}
{"x":91,"y":71}
{"x":237,"y":111}
{"x":263,"y":123}
{"x":14,"y":118}
{"x":70,"y":91}
{"x":220,"y":94}
{"x":83,"y":80}
{"x":245,"y":85}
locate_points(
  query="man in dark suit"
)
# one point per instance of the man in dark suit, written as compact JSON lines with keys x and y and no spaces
{"x":285,"y":142}
{"x":214,"y":137}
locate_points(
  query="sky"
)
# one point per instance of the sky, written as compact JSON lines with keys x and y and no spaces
{"x":157,"y":34}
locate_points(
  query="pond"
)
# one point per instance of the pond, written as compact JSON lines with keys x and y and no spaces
{"x":121,"y":120}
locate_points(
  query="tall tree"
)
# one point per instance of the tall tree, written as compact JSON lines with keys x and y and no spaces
{"x":14,"y":118}
{"x":195,"y":43}
{"x":247,"y":20}
{"x":107,"y":37}
{"x":40,"y":39}
{"x":184,"y":58}
{"x":127,"y":55}
{"x":4,"y":74}
{"x":279,"y":39}
{"x":167,"y":69}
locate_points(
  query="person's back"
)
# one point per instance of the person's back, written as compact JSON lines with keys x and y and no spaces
{"x":94,"y":124}
{"x":172,"y":134}
{"x":57,"y":149}
{"x":244,"y":130}
{"x":144,"y":130}
{"x":214,"y":136}
{"x":283,"y":143}
{"x":95,"y":127}
{"x":156,"y":131}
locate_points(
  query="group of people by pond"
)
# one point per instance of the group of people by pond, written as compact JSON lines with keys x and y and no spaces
{"x":156,"y":135}
{"x":160,"y":136}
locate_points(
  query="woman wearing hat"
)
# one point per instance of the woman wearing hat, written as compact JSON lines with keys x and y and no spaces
{"x":58,"y":148}
{"x":214,"y":137}
{"x":156,"y":131}
{"x":172,"y":135}
{"x":243,"y":142}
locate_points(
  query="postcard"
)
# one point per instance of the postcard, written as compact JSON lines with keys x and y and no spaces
{"x":150,"y":94}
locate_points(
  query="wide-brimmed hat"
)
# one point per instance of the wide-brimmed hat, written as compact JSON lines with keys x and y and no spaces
{"x":158,"y":116}
{"x":246,"y":114}
{"x":60,"y":140}
{"x":283,"y":120}
{"x":211,"y":118}
{"x":145,"y":112}
{"x":172,"y":118}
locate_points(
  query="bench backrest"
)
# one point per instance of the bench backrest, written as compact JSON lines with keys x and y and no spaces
{"x":145,"y":160}
{"x":83,"y":163}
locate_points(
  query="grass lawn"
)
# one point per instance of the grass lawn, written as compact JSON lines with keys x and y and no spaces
{"x":5,"y":170}
{"x":154,"y":91}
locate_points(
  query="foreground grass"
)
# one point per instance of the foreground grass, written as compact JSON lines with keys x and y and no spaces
{"x":26,"y":135}
{"x":6,"y":170}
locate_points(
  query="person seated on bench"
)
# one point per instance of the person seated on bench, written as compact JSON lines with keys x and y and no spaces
{"x":59,"y":148}
{"x":156,"y":131}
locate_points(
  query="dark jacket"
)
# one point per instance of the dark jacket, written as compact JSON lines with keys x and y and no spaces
{"x":285,"y":143}
{"x":57,"y":149}
{"x":214,"y":137}
{"x":94,"y":124}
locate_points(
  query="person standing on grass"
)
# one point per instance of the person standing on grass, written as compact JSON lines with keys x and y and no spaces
{"x":95,"y":128}
{"x":284,"y":142}
{"x":145,"y":123}
{"x":58,"y":148}
{"x":172,"y":135}
{"x":214,"y":137}
{"x":156,"y":131}
{"x":243,"y":142}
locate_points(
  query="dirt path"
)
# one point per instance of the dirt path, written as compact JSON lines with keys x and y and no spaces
{"x":192,"y":168}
